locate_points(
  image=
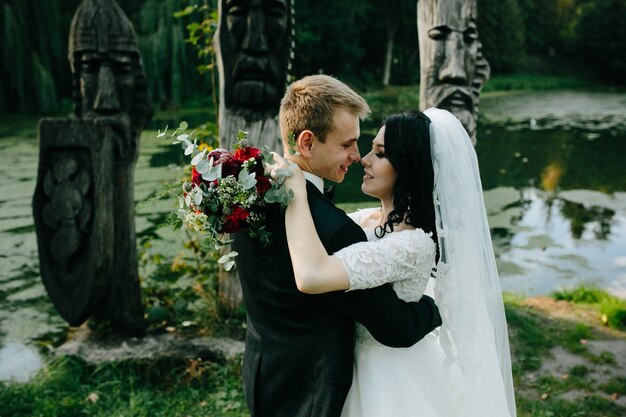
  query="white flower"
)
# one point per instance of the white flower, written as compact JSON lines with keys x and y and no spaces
{"x":197,"y":221}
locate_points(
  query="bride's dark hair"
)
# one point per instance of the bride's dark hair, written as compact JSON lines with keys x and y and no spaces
{"x":407,"y":147}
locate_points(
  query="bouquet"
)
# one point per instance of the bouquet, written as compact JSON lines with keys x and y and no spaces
{"x":227,"y":192}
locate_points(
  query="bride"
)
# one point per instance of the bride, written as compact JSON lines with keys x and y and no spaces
{"x":429,"y":233}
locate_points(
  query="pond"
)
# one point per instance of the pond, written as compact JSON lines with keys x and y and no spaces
{"x":553,"y":169}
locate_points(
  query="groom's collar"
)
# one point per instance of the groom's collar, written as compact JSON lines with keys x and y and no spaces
{"x":315,"y":180}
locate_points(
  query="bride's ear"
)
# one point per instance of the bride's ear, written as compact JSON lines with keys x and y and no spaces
{"x":305,"y":143}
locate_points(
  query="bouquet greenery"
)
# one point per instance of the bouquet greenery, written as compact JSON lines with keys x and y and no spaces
{"x":228,"y":192}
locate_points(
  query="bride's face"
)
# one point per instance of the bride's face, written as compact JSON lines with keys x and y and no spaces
{"x":379,"y":173}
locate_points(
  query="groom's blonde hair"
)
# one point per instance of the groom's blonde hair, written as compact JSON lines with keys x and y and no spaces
{"x":311,"y":102}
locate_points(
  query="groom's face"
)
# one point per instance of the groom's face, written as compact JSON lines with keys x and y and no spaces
{"x":330,"y":159}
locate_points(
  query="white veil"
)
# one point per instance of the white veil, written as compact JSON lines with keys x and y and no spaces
{"x":467,"y":288}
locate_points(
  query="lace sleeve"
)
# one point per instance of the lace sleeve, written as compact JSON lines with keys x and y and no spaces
{"x":408,"y":254}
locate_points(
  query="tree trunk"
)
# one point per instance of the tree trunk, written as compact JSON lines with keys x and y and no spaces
{"x":392,"y":8}
{"x":388,"y":58}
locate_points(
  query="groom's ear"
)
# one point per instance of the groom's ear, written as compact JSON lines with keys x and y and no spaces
{"x":305,"y":143}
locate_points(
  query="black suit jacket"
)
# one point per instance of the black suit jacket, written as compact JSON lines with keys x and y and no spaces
{"x":298,"y":357}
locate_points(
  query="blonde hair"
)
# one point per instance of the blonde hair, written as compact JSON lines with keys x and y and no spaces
{"x":311,"y":102}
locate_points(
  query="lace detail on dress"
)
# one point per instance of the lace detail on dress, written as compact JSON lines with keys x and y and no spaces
{"x":405,"y":259}
{"x":396,"y":257}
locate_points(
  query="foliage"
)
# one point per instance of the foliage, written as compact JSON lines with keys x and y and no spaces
{"x":501,"y":33}
{"x":200,"y":36}
{"x":181,"y":291}
{"x":33,"y":63}
{"x":611,"y":310}
{"x":544,"y":22}
{"x":346,"y":39}
{"x":328,"y":37}
{"x":34,"y":66}
{"x":600,"y":37}
{"x":227,"y":191}
{"x":170,"y":66}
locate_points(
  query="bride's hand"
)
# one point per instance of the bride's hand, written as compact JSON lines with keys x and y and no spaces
{"x":296,"y":180}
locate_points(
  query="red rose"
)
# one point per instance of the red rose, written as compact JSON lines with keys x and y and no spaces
{"x":243,"y":154}
{"x":235,"y":221}
{"x":262,"y":184}
{"x":218,"y":154}
{"x":230,"y":166}
{"x":196,"y":177}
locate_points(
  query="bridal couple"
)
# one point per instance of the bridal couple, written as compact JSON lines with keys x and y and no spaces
{"x":338,"y":323}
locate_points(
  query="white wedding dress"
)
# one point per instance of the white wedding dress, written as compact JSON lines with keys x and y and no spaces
{"x":462,"y":369}
{"x":388,"y":381}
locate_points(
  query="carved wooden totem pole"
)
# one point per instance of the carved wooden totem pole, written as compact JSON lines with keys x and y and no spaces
{"x":254,"y":48}
{"x":453,"y":69}
{"x":84,"y":200}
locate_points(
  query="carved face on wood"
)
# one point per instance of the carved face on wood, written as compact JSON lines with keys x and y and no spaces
{"x":452,"y":67}
{"x":107,"y":83}
{"x":255,"y":46}
{"x":109,"y":80}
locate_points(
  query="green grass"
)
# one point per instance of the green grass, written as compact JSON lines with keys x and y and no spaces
{"x":611,"y":310}
{"x":592,"y":406}
{"x":529,"y":82}
{"x":532,"y":337}
{"x":71,"y":388}
{"x":615,"y":385}
{"x":528,"y":336}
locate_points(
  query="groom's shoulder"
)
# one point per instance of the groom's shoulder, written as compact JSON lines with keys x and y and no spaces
{"x":335,"y":229}
{"x":322,"y":207}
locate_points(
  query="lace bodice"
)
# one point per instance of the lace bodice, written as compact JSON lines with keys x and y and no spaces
{"x":404,"y":258}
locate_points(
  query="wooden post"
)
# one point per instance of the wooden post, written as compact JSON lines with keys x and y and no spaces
{"x":452,"y":67}
{"x":254,"y":47}
{"x":84,"y":201}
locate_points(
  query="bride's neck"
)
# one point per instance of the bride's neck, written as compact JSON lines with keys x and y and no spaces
{"x":386,"y":207}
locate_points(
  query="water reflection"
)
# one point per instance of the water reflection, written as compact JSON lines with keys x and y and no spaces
{"x":551,"y":160}
{"x":555,"y":110}
{"x":562,"y":156}
{"x":552,"y":241}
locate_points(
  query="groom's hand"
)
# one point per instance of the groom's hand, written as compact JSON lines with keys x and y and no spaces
{"x":436,"y":316}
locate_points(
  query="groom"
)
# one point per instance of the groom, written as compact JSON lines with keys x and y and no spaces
{"x":298,"y":357}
